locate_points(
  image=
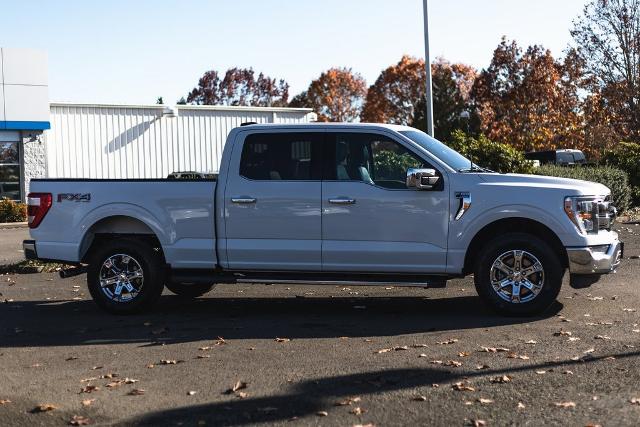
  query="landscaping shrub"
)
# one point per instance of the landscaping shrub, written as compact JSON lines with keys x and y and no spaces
{"x":11,"y":211}
{"x":615,"y":179}
{"x":493,"y":155}
{"x":626,"y":156}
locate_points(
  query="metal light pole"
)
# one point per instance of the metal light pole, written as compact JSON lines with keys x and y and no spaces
{"x":427,"y":61}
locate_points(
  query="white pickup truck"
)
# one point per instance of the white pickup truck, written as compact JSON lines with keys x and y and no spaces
{"x":328,"y":204}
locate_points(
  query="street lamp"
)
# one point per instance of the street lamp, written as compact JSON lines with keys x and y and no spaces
{"x":427,"y":62}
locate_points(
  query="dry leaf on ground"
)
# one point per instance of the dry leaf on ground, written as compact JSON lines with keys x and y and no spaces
{"x":44,"y":407}
{"x":79,"y":420}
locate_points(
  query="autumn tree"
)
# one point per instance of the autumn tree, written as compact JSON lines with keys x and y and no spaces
{"x":336,"y":96}
{"x":394,"y":96}
{"x":607,"y":38}
{"x":239,"y":86}
{"x":529,"y":99}
{"x":452,"y":84}
{"x":399,"y":95}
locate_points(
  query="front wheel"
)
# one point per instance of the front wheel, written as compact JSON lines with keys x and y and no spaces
{"x":125,"y":276}
{"x":518,"y":274}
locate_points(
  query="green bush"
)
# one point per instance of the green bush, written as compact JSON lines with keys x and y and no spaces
{"x":11,"y":211}
{"x":615,"y":179}
{"x":493,"y":155}
{"x":626,"y":156}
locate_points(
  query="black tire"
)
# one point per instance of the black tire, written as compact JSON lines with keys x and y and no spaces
{"x":551,"y":278}
{"x":144,"y":256}
{"x":188,"y":291}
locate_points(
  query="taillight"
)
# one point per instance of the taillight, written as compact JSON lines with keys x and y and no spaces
{"x":38,"y":205}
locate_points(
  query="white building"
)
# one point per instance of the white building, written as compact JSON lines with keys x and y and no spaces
{"x":39,"y":139}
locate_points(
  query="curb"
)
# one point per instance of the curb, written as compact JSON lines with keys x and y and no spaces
{"x":10,"y":225}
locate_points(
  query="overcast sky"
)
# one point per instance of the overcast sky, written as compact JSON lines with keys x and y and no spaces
{"x":124,"y":51}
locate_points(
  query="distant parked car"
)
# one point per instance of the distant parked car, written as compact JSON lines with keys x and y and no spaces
{"x":565,"y":157}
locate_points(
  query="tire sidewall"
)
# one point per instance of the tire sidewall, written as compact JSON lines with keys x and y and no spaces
{"x":553,"y":273}
{"x":151,"y":264}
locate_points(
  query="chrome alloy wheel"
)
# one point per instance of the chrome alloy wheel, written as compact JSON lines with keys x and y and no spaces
{"x":121,"y":278}
{"x":517,"y":276}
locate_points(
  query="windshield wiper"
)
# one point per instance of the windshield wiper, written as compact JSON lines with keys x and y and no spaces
{"x":476,"y":168}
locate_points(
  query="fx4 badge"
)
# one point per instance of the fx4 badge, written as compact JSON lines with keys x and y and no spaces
{"x":74,"y":197}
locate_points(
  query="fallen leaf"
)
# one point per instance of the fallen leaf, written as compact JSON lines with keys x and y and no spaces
{"x":629,"y":310}
{"x":322,"y":413}
{"x":44,"y":407}
{"x":87,"y":402}
{"x":501,"y":379}
{"x":191,"y":393}
{"x":635,"y":400}
{"x":541,"y":372}
{"x":170,"y":362}
{"x":565,"y":404}
{"x":282,"y":339}
{"x":531,"y":342}
{"x":79,"y":420}
{"x":358,"y":411}
{"x":461,"y":386}
{"x":484,"y":401}
{"x":348,"y":401}
{"x":521,"y":405}
{"x":513,"y":355}
{"x":562,"y":333}
{"x":136,"y":392}
{"x":419,"y":398}
{"x":4,"y":401}
{"x":70,"y":358}
{"x":601,"y":337}
{"x":493,"y":349}
{"x":478,"y":423}
{"x":589,"y":351}
{"x":242,"y":394}
{"x":453,"y":363}
{"x":89,"y":388}
{"x":463,"y":354}
{"x":480,"y":367}
{"x":449,"y":341}
{"x":203,"y":356}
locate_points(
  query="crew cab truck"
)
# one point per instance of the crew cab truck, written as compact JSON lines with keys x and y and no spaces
{"x":328,"y":204}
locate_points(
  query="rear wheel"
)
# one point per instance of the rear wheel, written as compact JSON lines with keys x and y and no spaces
{"x":518,"y":274}
{"x":125,"y":276}
{"x":189,"y":291}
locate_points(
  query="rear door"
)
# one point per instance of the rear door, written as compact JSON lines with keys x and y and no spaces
{"x":371,"y":221}
{"x":272,"y":202}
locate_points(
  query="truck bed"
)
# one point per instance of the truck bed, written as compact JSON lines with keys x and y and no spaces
{"x":180,"y":212}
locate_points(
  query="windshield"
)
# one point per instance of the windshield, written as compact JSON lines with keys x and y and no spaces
{"x":448,"y":155}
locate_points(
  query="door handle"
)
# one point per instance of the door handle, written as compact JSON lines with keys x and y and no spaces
{"x":243,"y":200}
{"x":342,"y":201}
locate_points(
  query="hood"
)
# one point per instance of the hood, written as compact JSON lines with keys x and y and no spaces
{"x":571,"y":186}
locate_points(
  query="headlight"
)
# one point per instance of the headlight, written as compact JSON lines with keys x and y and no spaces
{"x":583,"y":212}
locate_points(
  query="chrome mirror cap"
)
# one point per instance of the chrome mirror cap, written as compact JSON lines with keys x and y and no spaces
{"x":422,"y":179}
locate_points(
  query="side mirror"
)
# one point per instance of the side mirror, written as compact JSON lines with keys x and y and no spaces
{"x":422,"y":179}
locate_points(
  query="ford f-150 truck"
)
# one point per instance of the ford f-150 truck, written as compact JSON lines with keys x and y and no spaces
{"x":328,"y":204}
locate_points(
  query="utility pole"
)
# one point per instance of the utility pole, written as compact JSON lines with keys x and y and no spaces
{"x":427,"y":62}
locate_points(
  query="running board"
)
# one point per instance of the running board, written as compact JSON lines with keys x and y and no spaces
{"x":313,"y":278}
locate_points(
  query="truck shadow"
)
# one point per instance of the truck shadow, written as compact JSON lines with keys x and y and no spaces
{"x":77,"y":323}
{"x":309,"y":397}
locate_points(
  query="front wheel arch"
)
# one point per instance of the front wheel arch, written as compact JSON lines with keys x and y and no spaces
{"x":512,"y":225}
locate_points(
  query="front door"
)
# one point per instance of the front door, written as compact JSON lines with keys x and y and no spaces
{"x":272,"y":202}
{"x":371,"y":222}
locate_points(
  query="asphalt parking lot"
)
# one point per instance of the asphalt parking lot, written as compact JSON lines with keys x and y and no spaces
{"x":285,"y":355}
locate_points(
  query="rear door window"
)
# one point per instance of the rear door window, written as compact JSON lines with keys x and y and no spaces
{"x":282,"y":157}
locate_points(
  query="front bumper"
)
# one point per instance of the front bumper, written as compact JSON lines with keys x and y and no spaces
{"x":595,"y":260}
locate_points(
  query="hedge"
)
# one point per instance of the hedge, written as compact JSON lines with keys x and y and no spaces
{"x":11,"y":211}
{"x":626,"y":156}
{"x":493,"y":155}
{"x":616,"y":179}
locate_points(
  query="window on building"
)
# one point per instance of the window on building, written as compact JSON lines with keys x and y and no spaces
{"x":373,"y":159}
{"x":282,"y":157}
{"x":10,"y":170}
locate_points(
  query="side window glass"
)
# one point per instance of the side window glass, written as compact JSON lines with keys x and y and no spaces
{"x":373,"y":159}
{"x":281,"y":157}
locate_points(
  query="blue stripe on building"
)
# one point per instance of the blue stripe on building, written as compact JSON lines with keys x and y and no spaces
{"x":24,"y":125}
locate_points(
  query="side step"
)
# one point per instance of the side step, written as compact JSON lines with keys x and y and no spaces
{"x":189,"y":277}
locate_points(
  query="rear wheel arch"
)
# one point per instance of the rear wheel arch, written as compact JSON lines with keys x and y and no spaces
{"x":114,"y":227}
{"x":510,"y":225}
